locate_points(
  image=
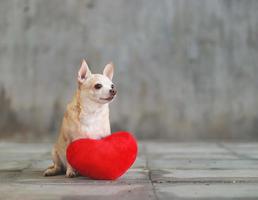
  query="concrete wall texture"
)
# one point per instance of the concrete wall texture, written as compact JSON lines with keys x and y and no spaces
{"x":184,"y":69}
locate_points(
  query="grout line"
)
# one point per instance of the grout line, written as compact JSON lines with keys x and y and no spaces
{"x":149,"y":172}
{"x":239,"y":155}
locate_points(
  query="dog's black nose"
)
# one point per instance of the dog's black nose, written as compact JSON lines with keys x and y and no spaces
{"x":113,"y":91}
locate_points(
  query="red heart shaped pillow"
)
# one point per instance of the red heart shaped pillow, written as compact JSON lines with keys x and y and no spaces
{"x":105,"y":159}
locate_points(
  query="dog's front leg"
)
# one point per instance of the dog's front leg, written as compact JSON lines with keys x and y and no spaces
{"x":70,"y":172}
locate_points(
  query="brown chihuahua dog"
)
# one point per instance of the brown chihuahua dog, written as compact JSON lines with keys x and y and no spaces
{"x":87,"y":116}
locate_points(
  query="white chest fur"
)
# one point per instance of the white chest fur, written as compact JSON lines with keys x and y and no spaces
{"x":95,"y":125}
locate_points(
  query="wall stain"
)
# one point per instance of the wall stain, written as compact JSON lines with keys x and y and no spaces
{"x":90,"y":4}
{"x":9,"y":122}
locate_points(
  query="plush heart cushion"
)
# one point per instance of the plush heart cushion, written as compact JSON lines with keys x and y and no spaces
{"x":105,"y":159}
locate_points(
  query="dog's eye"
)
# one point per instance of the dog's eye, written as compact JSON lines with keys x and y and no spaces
{"x":98,"y":86}
{"x":112,"y":86}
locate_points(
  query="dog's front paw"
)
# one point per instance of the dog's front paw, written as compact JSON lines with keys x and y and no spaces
{"x":52,"y":171}
{"x":71,"y":173}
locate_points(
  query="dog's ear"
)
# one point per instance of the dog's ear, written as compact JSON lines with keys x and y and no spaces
{"x":109,"y":70}
{"x":84,"y":72}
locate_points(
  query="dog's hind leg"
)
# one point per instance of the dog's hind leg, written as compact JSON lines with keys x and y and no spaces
{"x":56,"y":168}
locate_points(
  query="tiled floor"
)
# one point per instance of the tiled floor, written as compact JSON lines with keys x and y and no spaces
{"x":163,"y":170}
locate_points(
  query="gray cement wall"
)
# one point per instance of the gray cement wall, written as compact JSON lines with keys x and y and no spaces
{"x":184,"y":69}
